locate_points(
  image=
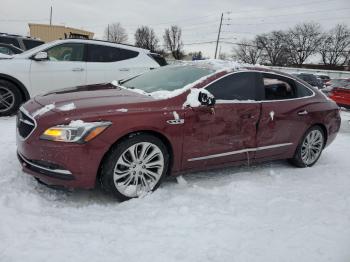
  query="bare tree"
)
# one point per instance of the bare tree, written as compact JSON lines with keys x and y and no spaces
{"x":146,"y":38}
{"x":115,"y":33}
{"x":302,"y":41}
{"x":247,"y":52}
{"x":173,"y":41}
{"x":335,"y":46}
{"x":274,"y":50}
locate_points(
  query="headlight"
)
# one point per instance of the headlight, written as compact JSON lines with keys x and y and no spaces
{"x":75,"y":132}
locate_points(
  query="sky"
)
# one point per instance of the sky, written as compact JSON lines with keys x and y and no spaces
{"x":199,"y":19}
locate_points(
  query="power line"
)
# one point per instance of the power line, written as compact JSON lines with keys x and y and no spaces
{"x":162,"y":23}
{"x":297,"y":13}
{"x":284,"y":22}
{"x":286,"y":6}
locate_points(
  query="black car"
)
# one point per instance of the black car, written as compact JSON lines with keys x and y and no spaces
{"x":22,"y":42}
{"x":310,"y":79}
{"x":324,"y":78}
{"x":9,"y":49}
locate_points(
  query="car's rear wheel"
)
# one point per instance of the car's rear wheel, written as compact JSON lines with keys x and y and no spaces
{"x":310,"y":148}
{"x":135,"y":166}
{"x":10,"y":98}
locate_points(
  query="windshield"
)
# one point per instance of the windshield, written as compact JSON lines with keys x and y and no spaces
{"x":167,"y":78}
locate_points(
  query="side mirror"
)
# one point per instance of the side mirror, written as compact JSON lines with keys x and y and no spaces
{"x":41,"y":56}
{"x":206,"y":99}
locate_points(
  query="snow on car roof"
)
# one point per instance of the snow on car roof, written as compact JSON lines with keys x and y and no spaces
{"x":218,"y":65}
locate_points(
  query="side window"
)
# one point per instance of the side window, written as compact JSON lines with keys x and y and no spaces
{"x":105,"y":54}
{"x":66,"y":52}
{"x":5,"y":50}
{"x":238,"y":86}
{"x":278,"y":87}
{"x":302,"y":90}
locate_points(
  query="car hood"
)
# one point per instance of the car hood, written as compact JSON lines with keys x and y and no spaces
{"x":102,"y":97}
{"x":4,"y":56}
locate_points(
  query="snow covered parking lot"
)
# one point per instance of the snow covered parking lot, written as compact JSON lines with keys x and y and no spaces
{"x":270,"y":212}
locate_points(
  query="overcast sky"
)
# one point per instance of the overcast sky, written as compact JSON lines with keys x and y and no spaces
{"x":199,"y":19}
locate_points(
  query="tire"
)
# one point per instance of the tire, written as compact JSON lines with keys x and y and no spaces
{"x":310,"y":148}
{"x":10,"y":98}
{"x":134,"y":166}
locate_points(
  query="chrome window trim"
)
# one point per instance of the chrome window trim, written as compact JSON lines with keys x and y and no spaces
{"x":58,"y":171}
{"x":262,"y":101}
{"x":239,"y":152}
{"x":24,"y":111}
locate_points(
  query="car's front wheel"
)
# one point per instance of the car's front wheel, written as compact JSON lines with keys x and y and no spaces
{"x":310,"y":148}
{"x":135,"y":166}
{"x":10,"y":98}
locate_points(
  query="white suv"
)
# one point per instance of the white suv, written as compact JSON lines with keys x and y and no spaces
{"x":68,"y":63}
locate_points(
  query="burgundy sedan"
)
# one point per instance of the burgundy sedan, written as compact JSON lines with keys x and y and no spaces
{"x":128,"y":136}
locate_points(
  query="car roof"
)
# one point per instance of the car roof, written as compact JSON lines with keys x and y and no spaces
{"x":19,"y":36}
{"x":102,"y":42}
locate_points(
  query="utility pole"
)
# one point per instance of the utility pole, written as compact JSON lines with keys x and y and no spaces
{"x":51,"y":16}
{"x":217,"y":41}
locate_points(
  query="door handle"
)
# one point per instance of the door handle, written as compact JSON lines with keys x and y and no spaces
{"x":124,"y":69}
{"x":247,"y":116}
{"x":78,"y":69}
{"x":303,"y":112}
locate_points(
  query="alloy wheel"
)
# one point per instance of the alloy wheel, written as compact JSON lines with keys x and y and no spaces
{"x":7,"y":99}
{"x":312,"y":147}
{"x":138,"y":169}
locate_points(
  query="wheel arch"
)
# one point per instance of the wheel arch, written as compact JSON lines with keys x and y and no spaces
{"x":157,"y":134}
{"x":325,"y":132}
{"x":19,"y":84}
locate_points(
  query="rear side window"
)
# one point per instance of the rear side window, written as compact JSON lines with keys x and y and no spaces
{"x":29,"y":44}
{"x":237,"y":86}
{"x":105,"y":54}
{"x":302,"y":90}
{"x":278,"y":87}
{"x":9,"y":40}
{"x":159,"y":59}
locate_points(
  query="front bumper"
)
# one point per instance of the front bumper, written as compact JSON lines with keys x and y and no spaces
{"x":59,"y":164}
{"x":45,"y":168}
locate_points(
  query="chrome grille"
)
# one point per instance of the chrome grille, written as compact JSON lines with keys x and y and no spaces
{"x":25,"y":123}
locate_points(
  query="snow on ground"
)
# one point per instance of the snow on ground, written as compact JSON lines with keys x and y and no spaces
{"x":270,"y":212}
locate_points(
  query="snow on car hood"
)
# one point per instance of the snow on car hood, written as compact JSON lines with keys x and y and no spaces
{"x":87,"y":97}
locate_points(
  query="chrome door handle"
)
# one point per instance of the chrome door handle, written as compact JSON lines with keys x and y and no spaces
{"x":303,"y":112}
{"x":78,"y":69}
{"x":124,"y":69}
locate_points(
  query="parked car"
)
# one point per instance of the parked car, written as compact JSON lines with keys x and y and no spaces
{"x":325,"y":78}
{"x":21,"y":42}
{"x":310,"y":79}
{"x":7,"y":49}
{"x":339,"y":91}
{"x":3,"y":56}
{"x":67,"y":63}
{"x":129,"y":135}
